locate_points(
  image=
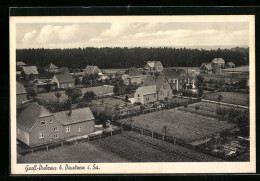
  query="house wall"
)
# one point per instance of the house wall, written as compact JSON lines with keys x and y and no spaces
{"x":22,"y":135}
{"x":140,"y":98}
{"x":48,"y":130}
{"x":67,"y":85}
{"x":149,"y":98}
{"x":165,"y":91}
{"x":86,"y":128}
{"x":175,"y":82}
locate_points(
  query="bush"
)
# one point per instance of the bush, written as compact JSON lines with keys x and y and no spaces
{"x":186,"y":105}
{"x":197,"y":107}
{"x":221,"y":111}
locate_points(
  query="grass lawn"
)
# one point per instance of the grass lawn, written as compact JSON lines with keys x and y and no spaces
{"x":230,"y":97}
{"x":78,"y":152}
{"x":99,"y":91}
{"x":182,"y":125}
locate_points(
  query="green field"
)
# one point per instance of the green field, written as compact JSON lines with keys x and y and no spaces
{"x":230,"y":97}
{"x":181,"y":125}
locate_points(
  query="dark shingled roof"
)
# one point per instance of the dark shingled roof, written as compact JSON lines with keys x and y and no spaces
{"x":77,"y":115}
{"x":134,"y":72}
{"x":172,"y":73}
{"x":152,"y":80}
{"x":218,"y":60}
{"x":147,"y":90}
{"x":231,"y":63}
{"x":20,"y":89}
{"x":51,"y":66}
{"x":27,"y":118}
{"x":64,"y":78}
{"x":90,"y":68}
{"x":64,"y":70}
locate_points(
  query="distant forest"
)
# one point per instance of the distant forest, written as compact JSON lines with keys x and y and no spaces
{"x":129,"y":57}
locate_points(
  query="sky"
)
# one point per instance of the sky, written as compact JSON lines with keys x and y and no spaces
{"x":131,"y":34}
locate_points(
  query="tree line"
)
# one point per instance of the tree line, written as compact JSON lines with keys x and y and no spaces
{"x":129,"y":57}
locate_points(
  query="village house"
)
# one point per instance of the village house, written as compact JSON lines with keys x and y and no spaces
{"x":133,"y":76}
{"x":153,"y":66}
{"x":178,"y":78}
{"x":42,"y":85}
{"x":64,"y":70}
{"x":163,"y":88}
{"x":206,"y":68}
{"x":19,"y":66}
{"x":37,"y":126}
{"x":64,"y":81}
{"x":29,"y":72}
{"x":219,"y":61}
{"x":76,"y":122}
{"x":21,"y":94}
{"x":230,"y":65}
{"x":145,"y":94}
{"x":51,"y":68}
{"x":92,"y":70}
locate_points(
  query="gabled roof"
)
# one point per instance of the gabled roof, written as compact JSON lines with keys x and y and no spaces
{"x":208,"y":66}
{"x":27,"y":118}
{"x":172,"y":73}
{"x":51,"y":66}
{"x":20,"y":89}
{"x":231,"y":63}
{"x":64,"y":70}
{"x":20,"y":64}
{"x":64,"y":78}
{"x":30,"y":70}
{"x":152,"y":80}
{"x":218,"y":60}
{"x":77,"y":115}
{"x":147,"y":90}
{"x":90,"y":69}
{"x":154,"y":63}
{"x":203,"y":63}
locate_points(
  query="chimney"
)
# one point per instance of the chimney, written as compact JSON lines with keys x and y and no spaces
{"x":69,"y":112}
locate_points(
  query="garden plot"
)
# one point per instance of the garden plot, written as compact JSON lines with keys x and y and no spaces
{"x":230,"y":97}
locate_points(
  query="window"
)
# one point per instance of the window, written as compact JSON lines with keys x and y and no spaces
{"x":43,"y":122}
{"x":165,"y":86}
{"x":70,"y":85}
{"x":51,"y":121}
{"x":55,"y":129}
{"x":41,"y":135}
{"x":18,"y":131}
{"x":79,"y":129}
{"x":55,"y":136}
{"x":68,"y":129}
{"x":62,"y":86}
{"x":138,"y":95}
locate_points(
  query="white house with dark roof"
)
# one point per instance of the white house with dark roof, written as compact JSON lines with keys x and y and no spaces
{"x":64,"y":80}
{"x":51,"y":68}
{"x":219,"y":61}
{"x":90,"y":69}
{"x":154,"y":66}
{"x":146,"y":94}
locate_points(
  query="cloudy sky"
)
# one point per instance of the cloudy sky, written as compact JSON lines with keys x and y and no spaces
{"x":131,"y":34}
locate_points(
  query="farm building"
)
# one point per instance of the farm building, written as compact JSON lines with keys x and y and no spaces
{"x":41,"y":85}
{"x":92,"y":70}
{"x":133,"y":76}
{"x":51,"y":68}
{"x":37,"y":126}
{"x":76,"y":122}
{"x":64,"y":70}
{"x":230,"y":65}
{"x":178,"y":78}
{"x":162,"y":85}
{"x":206,"y":68}
{"x":154,"y":66}
{"x":219,"y":61}
{"x":19,"y":66}
{"x":146,"y":94}
{"x":29,"y":72}
{"x":64,"y":81}
{"x":21,"y":94}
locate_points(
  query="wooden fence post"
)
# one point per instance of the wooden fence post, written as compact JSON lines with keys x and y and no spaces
{"x":163,"y":137}
{"x":152,"y":134}
{"x":111,"y":132}
{"x":47,"y":148}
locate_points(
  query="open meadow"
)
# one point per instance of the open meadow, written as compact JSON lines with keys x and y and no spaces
{"x":230,"y":97}
{"x":181,"y":125}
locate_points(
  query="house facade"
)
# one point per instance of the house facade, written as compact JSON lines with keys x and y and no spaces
{"x":51,"y":68}
{"x":154,"y":66}
{"x":64,"y":81}
{"x":37,"y":126}
{"x":146,"y":94}
{"x":76,"y":123}
{"x":219,"y":61}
